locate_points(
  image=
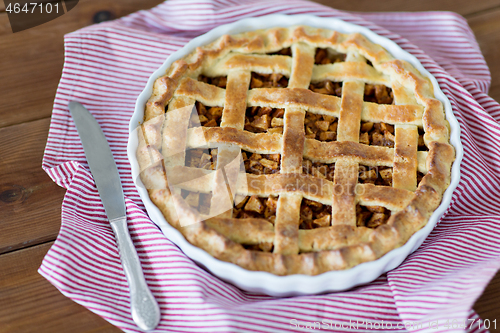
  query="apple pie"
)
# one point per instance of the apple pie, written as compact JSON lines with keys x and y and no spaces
{"x":295,"y":150}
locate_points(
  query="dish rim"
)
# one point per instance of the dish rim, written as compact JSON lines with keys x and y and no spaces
{"x":297,"y":284}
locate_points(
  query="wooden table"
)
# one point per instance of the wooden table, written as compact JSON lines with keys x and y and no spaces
{"x":30,"y":203}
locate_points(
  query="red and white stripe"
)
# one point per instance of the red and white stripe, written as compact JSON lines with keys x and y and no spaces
{"x":106,"y":67}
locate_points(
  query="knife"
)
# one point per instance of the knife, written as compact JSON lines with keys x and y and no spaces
{"x":145,"y":310}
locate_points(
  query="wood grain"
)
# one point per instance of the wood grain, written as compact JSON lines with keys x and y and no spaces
{"x":30,"y":304}
{"x":32,"y":60}
{"x":29,"y":199}
{"x":486,"y":27}
{"x":487,"y":305}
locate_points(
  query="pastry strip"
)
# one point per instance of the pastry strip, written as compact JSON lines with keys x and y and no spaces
{"x":235,"y":103}
{"x":346,"y":169}
{"x":324,"y":152}
{"x":288,"y":210}
{"x":404,"y":174}
{"x":258,"y":63}
{"x":286,"y":240}
{"x":229,"y":161}
{"x":330,"y":105}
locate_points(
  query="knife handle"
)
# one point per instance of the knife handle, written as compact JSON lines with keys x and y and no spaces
{"x":145,"y":309}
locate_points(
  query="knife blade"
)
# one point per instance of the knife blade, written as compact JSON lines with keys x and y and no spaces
{"x":145,"y":309}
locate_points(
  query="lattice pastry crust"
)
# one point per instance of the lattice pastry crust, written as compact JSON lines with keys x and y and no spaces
{"x":278,"y":244}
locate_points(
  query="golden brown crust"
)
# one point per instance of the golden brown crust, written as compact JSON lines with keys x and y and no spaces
{"x":405,"y":158}
{"x":293,"y":142}
{"x":341,"y":245}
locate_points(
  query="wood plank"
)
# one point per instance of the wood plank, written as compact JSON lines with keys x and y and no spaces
{"x":463,"y":7}
{"x":487,"y":305}
{"x":486,"y":27}
{"x":30,"y":201}
{"x":34,"y":305}
{"x":32,"y":60}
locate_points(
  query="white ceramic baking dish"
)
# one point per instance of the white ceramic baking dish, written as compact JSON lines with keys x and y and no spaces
{"x":264,"y":282}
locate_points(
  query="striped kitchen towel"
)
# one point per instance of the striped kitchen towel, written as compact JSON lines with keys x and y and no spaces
{"x":106,"y":67}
